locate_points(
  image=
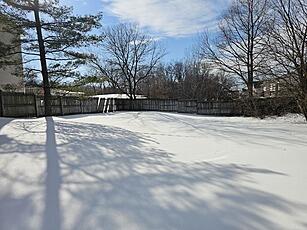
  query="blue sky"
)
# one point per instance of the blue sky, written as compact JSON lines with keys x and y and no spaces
{"x":175,"y":23}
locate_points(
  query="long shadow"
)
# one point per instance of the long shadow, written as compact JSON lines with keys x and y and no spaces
{"x":121,"y":182}
{"x":116,"y":179}
{"x":15,"y":210}
{"x":52,"y":212}
{"x":3,"y":122}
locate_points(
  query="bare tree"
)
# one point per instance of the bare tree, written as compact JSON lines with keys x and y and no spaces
{"x":202,"y":83}
{"x":130,"y":57}
{"x":191,"y":79}
{"x":288,"y":48}
{"x":238,"y":49}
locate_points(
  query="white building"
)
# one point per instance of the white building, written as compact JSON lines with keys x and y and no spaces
{"x":11,"y":76}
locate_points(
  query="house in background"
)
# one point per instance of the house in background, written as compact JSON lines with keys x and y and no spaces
{"x":270,"y":88}
{"x":266,"y":88}
{"x":11,"y":76}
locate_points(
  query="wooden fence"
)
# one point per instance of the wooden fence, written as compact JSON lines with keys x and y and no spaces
{"x":180,"y":106}
{"x":227,"y":108}
{"x":262,"y":106}
{"x":147,"y":105}
{"x":30,"y":105}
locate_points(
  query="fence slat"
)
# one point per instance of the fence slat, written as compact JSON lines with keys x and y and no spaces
{"x":61,"y":106}
{"x":35,"y":104}
{"x":1,"y":105}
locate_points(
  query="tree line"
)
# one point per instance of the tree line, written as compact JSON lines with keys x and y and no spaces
{"x":262,"y":39}
{"x":255,"y":40}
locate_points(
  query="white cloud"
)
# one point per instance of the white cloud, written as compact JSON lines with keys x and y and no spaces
{"x":174,"y":18}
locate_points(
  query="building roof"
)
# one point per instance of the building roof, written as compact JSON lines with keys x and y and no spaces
{"x":118,"y":96}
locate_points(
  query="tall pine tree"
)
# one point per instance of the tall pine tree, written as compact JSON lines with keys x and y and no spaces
{"x":50,"y":35}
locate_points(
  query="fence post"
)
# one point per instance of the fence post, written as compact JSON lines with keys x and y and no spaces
{"x":1,"y":105}
{"x":81,"y":110}
{"x":114,"y":105}
{"x":61,"y":106}
{"x":35,"y":105}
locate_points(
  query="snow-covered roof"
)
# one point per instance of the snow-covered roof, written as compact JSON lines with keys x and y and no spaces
{"x":118,"y":96}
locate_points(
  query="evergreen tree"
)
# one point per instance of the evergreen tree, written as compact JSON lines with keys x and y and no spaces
{"x":50,"y":35}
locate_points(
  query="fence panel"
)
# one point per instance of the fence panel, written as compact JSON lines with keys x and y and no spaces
{"x":56,"y":106}
{"x":90,"y":105}
{"x":169,"y":105}
{"x":18,"y":105}
{"x":122,"y":104}
{"x":70,"y":105}
{"x":30,"y":105}
{"x":40,"y":105}
{"x":187,"y":106}
{"x":218,"y":108}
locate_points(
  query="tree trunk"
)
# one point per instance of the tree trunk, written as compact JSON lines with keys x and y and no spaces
{"x":305,"y":111}
{"x":303,"y":106}
{"x":131,"y":107}
{"x":250,"y":87}
{"x":134,"y":93}
{"x":43,"y":62}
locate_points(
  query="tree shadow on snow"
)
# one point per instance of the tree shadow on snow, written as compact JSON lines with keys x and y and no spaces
{"x":3,"y":122}
{"x":51,"y":216}
{"x":116,"y":179}
{"x":120,"y":180}
{"x":52,"y":212}
{"x":14,"y":210}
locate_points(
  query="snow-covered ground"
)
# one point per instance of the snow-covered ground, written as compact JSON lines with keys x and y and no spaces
{"x":151,"y":170}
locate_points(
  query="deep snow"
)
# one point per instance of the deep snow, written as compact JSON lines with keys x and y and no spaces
{"x":151,"y":170}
